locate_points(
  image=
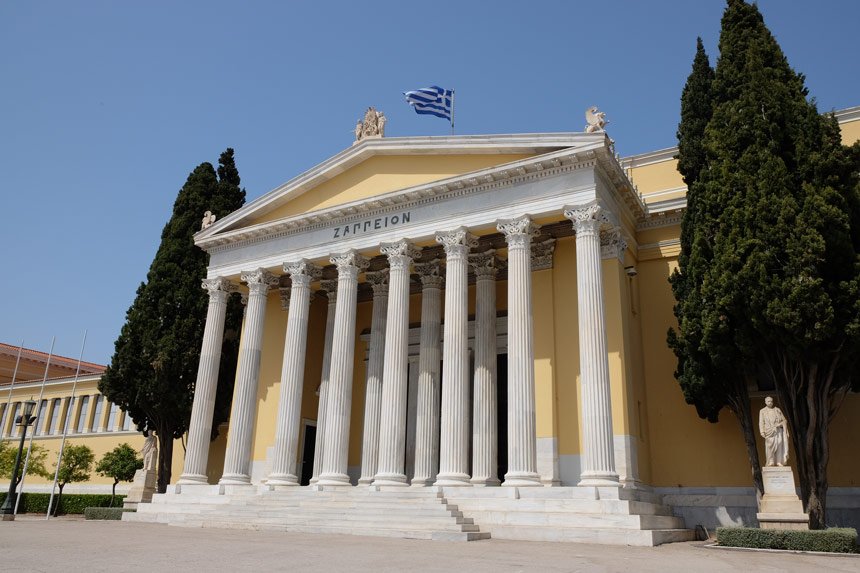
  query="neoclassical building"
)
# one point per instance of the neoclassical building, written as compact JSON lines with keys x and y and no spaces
{"x":469,"y":321}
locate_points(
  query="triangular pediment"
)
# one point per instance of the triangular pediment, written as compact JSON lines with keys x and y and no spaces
{"x":381,"y":166}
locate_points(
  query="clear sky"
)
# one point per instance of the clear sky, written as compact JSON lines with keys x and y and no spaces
{"x":106,"y":107}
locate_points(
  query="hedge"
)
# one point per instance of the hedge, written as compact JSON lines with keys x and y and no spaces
{"x":105,"y":512}
{"x":833,"y":540}
{"x":72,"y":502}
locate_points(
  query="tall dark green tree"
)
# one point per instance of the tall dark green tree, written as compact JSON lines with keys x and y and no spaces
{"x":154,"y":367}
{"x":775,"y":253}
{"x":712,"y":371}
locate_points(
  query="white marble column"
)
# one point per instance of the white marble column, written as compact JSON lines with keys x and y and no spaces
{"x":522,"y":440}
{"x":330,"y":288}
{"x":339,"y":400}
{"x":373,"y":386}
{"x":286,"y":450}
{"x":485,"y":424}
{"x":238,"y":457}
{"x":598,"y":457}
{"x":429,"y":362}
{"x":200,"y":427}
{"x":454,"y":435}
{"x":392,"y":430}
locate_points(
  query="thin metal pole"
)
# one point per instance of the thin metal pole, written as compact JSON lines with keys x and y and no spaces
{"x":66,"y":428}
{"x":452,"y":112}
{"x":14,"y":375}
{"x":38,"y":421}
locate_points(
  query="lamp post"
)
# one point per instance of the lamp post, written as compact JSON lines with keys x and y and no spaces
{"x":25,"y":419}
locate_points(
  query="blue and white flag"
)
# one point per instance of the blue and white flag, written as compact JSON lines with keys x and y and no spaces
{"x":432,"y":101}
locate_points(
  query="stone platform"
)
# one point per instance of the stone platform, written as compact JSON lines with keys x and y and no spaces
{"x":589,"y":515}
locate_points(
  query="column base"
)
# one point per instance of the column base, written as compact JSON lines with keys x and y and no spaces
{"x":486,"y":482}
{"x":193,"y":479}
{"x":390,"y":479}
{"x":453,"y":480}
{"x":313,"y":481}
{"x":334,"y":479}
{"x":365,"y":480}
{"x":422,"y":482}
{"x":522,"y":479}
{"x":234,"y":479}
{"x":282,"y":479}
{"x":599,"y":479}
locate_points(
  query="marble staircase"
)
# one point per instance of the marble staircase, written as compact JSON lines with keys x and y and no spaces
{"x":613,"y":516}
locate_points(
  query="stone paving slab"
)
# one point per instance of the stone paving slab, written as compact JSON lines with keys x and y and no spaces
{"x":32,"y":544}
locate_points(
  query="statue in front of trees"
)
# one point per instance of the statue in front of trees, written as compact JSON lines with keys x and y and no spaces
{"x":774,"y":430}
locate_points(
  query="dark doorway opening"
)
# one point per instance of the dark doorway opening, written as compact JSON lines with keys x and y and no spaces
{"x":310,"y":441}
{"x":502,"y":389}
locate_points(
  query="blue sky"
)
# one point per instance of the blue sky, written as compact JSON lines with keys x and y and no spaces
{"x":107,"y":106}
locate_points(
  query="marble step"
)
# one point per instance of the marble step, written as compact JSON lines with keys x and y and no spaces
{"x":432,"y":520}
{"x":403,"y":533}
{"x":606,"y":536}
{"x":540,"y":519}
{"x":561,"y":505}
{"x":422,"y":512}
{"x":365,"y":523}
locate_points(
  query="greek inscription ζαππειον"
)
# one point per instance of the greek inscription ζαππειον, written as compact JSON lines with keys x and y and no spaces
{"x":375,"y":224}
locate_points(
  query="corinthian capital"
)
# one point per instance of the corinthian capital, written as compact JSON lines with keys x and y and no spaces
{"x":350,"y":259}
{"x":400,"y":254}
{"x":587,"y":219}
{"x":518,"y":232}
{"x":378,"y":281}
{"x":486,"y":264}
{"x":431,"y":273}
{"x":612,"y":244}
{"x":260,"y":280}
{"x":542,"y":254}
{"x":457,"y":237}
{"x":219,"y":285}
{"x":329,"y":287}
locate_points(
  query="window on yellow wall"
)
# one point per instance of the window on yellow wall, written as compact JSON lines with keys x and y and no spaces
{"x":40,"y":427}
{"x":70,"y":413}
{"x":82,"y":421}
{"x":98,"y":414}
{"x":55,"y":414}
{"x":15,"y":411}
{"x":126,"y":423}
{"x":112,"y":417}
{"x":3,"y":418}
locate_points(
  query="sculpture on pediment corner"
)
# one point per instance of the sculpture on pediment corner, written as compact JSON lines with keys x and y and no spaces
{"x":596,"y":120}
{"x":373,"y":125}
{"x":208,"y":220}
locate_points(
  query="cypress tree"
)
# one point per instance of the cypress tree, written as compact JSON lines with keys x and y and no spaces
{"x":779,"y":201}
{"x":712,"y":372}
{"x":154,"y":367}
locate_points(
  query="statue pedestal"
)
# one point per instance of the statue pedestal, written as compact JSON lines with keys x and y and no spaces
{"x":780,"y":506}
{"x":141,"y":490}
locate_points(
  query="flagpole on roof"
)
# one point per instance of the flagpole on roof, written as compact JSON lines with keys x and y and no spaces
{"x":66,"y":427}
{"x":39,"y":420}
{"x":452,"y":112}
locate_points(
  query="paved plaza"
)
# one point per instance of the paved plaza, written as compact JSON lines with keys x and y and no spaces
{"x":33,"y":544}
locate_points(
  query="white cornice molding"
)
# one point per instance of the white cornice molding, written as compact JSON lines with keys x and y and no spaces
{"x":847,"y":114}
{"x":539,"y":143}
{"x":649,"y":158}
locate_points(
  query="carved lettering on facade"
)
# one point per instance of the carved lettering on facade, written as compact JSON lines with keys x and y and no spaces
{"x":360,"y":227}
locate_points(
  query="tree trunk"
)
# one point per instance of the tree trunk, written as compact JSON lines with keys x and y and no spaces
{"x":810,"y":394}
{"x":113,"y":491}
{"x":165,"y":457}
{"x":740,"y":406}
{"x":59,"y":499}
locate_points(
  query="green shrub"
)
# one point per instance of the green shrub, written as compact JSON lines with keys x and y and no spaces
{"x":72,"y":502}
{"x":105,"y":512}
{"x":833,"y":540}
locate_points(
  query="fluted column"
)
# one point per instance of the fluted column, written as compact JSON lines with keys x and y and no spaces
{"x":339,"y":400}
{"x":302,"y":273}
{"x":392,"y":430}
{"x":454,"y":435}
{"x":373,"y":387}
{"x":330,"y":288}
{"x":598,"y":456}
{"x":238,"y":458}
{"x":522,"y":440}
{"x":429,"y":360}
{"x":203,"y":406}
{"x":485,"y":424}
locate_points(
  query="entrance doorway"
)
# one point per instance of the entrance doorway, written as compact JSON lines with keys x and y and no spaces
{"x":308,"y":445}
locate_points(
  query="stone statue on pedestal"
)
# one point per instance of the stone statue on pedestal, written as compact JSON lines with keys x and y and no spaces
{"x":144,"y":479}
{"x":150,"y":452}
{"x":774,"y":430}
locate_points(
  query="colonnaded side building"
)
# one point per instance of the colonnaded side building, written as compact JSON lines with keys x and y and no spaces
{"x":461,"y":337}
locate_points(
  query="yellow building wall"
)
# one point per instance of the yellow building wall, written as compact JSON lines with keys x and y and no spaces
{"x":546,"y":391}
{"x":382,"y":174}
{"x":850,"y":132}
{"x":657,"y":177}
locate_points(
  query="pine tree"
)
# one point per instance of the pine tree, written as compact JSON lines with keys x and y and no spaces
{"x":154,"y":367}
{"x":779,"y":201}
{"x":713,"y":373}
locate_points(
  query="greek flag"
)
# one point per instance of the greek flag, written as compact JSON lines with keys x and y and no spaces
{"x":432,"y":101}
